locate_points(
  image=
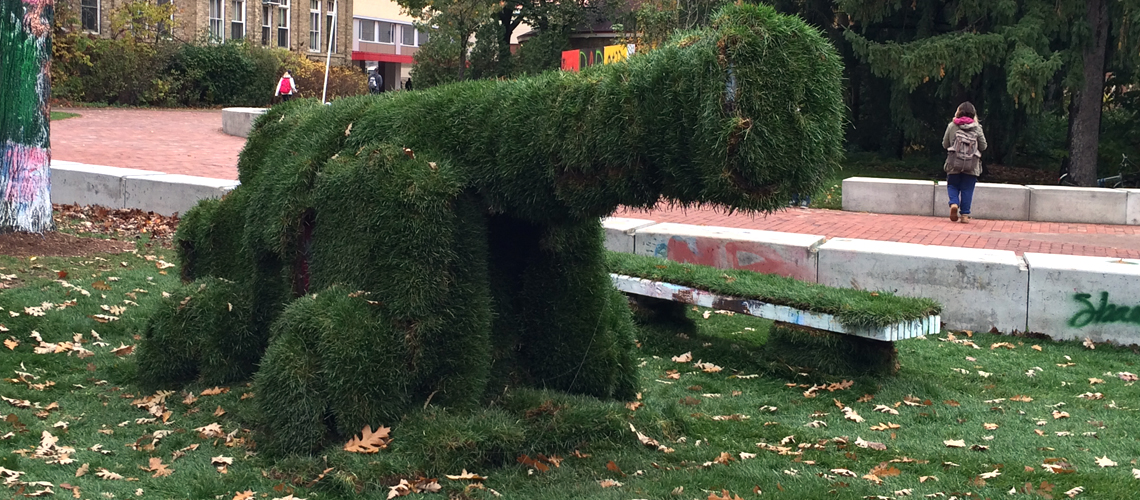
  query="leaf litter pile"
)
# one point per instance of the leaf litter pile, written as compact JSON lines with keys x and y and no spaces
{"x":968,"y":416}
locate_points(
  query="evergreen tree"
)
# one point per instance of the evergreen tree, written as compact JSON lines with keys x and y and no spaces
{"x":25,"y":85}
{"x":1014,"y":57}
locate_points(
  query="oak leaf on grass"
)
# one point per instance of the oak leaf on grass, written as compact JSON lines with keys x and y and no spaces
{"x":157,"y":467}
{"x":369,"y":441}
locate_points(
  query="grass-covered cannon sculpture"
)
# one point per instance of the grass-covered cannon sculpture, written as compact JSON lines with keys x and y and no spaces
{"x":442,"y":245}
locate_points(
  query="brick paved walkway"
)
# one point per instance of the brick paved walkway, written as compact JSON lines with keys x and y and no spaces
{"x":1021,"y":237}
{"x":192,"y":142}
{"x":178,"y":141}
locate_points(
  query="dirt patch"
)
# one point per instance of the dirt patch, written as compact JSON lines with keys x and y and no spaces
{"x":1003,"y":174}
{"x":56,"y":244}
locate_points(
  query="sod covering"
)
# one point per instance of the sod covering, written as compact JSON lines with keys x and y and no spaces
{"x":853,"y":308}
{"x":439,"y":246}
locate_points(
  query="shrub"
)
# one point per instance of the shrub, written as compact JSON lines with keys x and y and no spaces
{"x":344,"y":81}
{"x":218,"y":74}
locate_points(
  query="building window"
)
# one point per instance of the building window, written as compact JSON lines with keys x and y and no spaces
{"x":164,"y":26}
{"x":385,"y":30}
{"x":266,"y":24}
{"x":407,"y":35}
{"x":283,"y":24}
{"x":89,"y":14}
{"x":330,"y":17}
{"x":315,"y":25}
{"x":217,"y":11}
{"x":423,"y":35}
{"x":367,"y":30}
{"x":237,"y":20}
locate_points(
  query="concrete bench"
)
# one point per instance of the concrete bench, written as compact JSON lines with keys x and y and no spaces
{"x":1078,"y":204}
{"x":239,"y":121}
{"x":929,"y":325}
{"x":888,"y":196}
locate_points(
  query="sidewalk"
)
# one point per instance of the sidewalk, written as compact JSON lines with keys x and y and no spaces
{"x":191,"y":142}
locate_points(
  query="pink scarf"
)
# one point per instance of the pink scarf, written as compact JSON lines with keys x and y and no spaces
{"x":963,"y":120}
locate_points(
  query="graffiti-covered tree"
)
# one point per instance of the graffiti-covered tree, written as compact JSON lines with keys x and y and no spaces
{"x":25,"y":170}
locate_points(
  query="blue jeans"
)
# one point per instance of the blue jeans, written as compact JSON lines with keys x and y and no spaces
{"x":960,"y":187}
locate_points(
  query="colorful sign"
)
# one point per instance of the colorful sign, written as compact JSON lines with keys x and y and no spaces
{"x":575,"y":60}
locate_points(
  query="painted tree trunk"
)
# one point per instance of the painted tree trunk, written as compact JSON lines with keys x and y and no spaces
{"x":1085,"y":110}
{"x":25,"y":154}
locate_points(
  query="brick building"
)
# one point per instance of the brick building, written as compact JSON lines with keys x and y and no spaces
{"x":300,"y":25}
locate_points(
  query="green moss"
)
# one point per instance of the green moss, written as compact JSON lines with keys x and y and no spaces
{"x":200,"y":331}
{"x":293,"y":396}
{"x":854,"y":308}
{"x":209,"y":240}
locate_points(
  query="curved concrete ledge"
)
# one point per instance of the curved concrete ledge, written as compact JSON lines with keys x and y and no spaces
{"x":150,"y":191}
{"x":239,"y":121}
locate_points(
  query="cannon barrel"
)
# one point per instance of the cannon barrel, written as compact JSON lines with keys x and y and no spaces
{"x":742,"y":114}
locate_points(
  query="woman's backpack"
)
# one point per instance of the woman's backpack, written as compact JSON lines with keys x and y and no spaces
{"x":963,"y":155}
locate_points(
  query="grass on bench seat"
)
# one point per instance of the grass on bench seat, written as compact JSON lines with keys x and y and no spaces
{"x":853,"y":308}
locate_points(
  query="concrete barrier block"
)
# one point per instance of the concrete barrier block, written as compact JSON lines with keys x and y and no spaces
{"x":979,"y":289}
{"x":786,"y":254}
{"x":621,"y":232}
{"x":169,"y":193}
{"x":1077,"y":204}
{"x":1132,"y":210}
{"x":1073,"y":297}
{"x":83,"y":184}
{"x":239,"y":121}
{"x":991,"y":201}
{"x":888,"y":196}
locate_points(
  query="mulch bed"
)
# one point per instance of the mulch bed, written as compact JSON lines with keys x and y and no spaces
{"x":57,"y":244}
{"x":118,"y":229}
{"x":1018,"y":175}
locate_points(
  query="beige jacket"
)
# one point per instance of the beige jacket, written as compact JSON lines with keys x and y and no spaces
{"x":948,"y":140}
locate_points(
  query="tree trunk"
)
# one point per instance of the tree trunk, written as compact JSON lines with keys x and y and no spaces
{"x":507,"y":24}
{"x":463,"y":57}
{"x":1084,"y":115}
{"x":25,"y":157}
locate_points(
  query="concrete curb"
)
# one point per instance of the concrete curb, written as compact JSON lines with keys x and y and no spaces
{"x":1073,"y":297}
{"x":979,"y":289}
{"x":790,"y":255}
{"x":888,"y":196}
{"x":996,"y":201}
{"x":147,"y":190}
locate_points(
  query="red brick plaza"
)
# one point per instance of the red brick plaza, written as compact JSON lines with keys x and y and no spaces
{"x":191,"y":142}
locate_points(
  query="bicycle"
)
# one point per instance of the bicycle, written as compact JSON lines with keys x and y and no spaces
{"x":1120,"y":180}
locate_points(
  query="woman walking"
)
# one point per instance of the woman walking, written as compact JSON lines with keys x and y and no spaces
{"x":964,"y":142}
{"x":286,"y":87}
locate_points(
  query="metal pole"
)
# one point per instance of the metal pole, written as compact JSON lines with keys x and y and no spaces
{"x":328,"y":56}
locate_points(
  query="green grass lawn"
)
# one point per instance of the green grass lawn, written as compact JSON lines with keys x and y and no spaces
{"x":60,"y":115}
{"x":1015,"y":404}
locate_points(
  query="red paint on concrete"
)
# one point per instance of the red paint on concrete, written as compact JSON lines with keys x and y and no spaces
{"x":727,"y":255}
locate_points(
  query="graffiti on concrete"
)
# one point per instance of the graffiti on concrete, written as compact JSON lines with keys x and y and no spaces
{"x":752,"y":256}
{"x":1102,"y":312}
